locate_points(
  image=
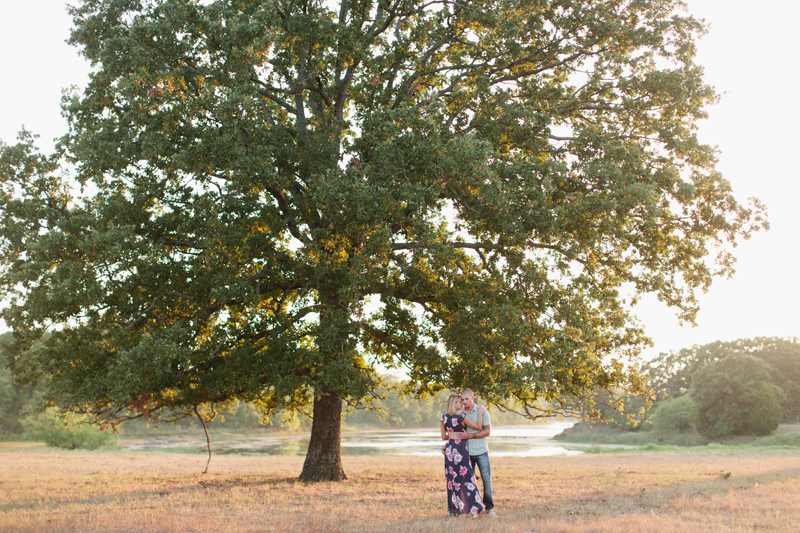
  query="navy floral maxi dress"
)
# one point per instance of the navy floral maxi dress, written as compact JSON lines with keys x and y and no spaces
{"x":462,"y":489}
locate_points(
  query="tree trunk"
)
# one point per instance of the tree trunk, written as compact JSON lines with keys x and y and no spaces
{"x":324,"y":458}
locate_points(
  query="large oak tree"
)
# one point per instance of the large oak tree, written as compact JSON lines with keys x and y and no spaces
{"x":272,"y":200}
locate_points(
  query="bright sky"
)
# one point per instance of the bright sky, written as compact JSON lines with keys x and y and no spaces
{"x":748,"y":55}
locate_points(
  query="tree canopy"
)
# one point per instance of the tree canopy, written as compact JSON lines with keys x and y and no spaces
{"x":273,"y":200}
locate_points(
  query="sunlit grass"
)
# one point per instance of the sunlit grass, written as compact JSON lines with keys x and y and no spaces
{"x":20,"y":445}
{"x":145,"y":492}
{"x":786,"y":435}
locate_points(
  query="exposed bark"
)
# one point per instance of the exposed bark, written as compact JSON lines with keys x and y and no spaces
{"x":324,"y":458}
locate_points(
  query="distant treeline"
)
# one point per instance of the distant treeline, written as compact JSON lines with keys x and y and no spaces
{"x":18,"y":403}
{"x":741,"y":387}
{"x":398,"y":412}
{"x":745,"y":386}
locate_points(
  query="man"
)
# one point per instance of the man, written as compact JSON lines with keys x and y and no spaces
{"x":478,"y":448}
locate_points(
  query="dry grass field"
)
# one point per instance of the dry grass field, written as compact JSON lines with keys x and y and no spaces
{"x":47,"y":491}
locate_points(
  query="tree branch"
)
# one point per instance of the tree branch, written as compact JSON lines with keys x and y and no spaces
{"x":395,"y":346}
{"x":291,"y":320}
{"x":277,"y":100}
{"x":418,"y":245}
{"x":169,"y":242}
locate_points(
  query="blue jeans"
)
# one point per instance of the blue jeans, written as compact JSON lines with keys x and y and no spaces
{"x":481,"y":462}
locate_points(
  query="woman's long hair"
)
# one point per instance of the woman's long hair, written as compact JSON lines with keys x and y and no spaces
{"x":451,"y":403}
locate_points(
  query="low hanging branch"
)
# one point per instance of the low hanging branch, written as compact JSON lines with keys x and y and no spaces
{"x":208,"y":440}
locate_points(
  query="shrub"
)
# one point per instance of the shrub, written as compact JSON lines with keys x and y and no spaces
{"x":675,"y":414}
{"x":736,"y":396}
{"x":66,"y":431}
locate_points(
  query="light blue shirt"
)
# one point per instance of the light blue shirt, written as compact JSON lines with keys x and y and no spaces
{"x":477,"y":446}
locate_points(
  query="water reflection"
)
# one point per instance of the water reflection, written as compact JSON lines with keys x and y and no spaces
{"x":525,"y":441}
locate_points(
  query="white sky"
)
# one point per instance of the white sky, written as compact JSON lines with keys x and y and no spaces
{"x":748,"y":55}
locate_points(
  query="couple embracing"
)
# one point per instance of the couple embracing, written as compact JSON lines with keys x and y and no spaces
{"x":465,"y":427}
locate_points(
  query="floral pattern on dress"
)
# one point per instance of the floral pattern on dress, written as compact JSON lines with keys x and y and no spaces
{"x":462,"y":491}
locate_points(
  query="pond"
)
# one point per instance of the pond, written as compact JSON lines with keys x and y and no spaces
{"x":534,"y":440}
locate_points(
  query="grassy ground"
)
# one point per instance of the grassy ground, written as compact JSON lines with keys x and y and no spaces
{"x":786,"y":435}
{"x":48,"y":491}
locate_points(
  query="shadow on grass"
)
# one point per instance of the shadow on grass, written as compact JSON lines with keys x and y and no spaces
{"x":190,"y":486}
{"x":621,"y":495}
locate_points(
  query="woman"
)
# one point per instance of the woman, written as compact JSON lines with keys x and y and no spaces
{"x":462,"y":489}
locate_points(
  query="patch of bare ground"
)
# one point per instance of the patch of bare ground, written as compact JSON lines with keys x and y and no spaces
{"x":141,"y":492}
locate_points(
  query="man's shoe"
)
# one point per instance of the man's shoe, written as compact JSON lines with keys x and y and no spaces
{"x":491,"y":514}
